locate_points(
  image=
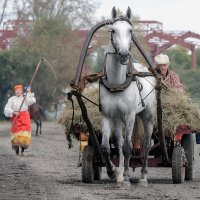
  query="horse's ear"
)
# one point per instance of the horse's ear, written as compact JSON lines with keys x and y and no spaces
{"x":128,"y":13}
{"x":114,"y":13}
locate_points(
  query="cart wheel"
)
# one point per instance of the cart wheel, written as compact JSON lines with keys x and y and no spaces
{"x":97,"y":173}
{"x":87,"y":165}
{"x":178,"y":162}
{"x":188,"y":145}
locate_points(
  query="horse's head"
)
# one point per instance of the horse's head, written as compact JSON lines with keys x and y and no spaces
{"x":121,"y":31}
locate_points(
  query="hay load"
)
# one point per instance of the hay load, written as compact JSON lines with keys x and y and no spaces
{"x":93,"y":111}
{"x":178,"y":109}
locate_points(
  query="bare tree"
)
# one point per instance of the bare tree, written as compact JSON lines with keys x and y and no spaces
{"x":4,"y":5}
{"x":78,"y":12}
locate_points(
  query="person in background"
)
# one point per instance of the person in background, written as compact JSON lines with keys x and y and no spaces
{"x":170,"y":77}
{"x":20,"y":118}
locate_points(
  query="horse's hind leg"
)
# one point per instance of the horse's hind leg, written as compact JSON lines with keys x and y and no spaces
{"x":127,"y":146}
{"x":40,"y":121}
{"x":106,"y":129}
{"x":147,"y":118}
{"x":37,"y":126}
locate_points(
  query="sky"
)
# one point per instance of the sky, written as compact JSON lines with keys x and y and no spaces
{"x":176,"y":15}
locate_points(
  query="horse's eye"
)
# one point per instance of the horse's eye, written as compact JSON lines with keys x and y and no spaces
{"x":131,"y":31}
{"x":113,"y":31}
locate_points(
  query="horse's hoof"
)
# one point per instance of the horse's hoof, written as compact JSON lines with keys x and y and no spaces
{"x":143,"y":182}
{"x":120,"y":179}
{"x":124,"y":184}
{"x":112,"y":174}
{"x":119,"y":176}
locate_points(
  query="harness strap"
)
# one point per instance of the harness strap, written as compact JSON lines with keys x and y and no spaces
{"x":113,"y":44}
{"x":140,"y":87}
{"x":122,"y":18}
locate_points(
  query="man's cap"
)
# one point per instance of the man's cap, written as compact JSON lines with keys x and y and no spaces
{"x":162,"y":59}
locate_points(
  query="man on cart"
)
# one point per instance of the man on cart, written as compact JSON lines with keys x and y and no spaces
{"x":172,"y":80}
{"x":170,"y":77}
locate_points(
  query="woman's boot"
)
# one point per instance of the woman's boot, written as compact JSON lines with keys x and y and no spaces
{"x":22,"y":152}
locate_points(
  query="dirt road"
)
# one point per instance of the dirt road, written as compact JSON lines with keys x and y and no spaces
{"x":49,"y":172}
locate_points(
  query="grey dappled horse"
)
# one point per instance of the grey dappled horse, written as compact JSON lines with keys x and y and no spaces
{"x":120,"y":108}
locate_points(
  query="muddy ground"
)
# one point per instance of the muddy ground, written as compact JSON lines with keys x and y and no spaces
{"x":49,"y":171}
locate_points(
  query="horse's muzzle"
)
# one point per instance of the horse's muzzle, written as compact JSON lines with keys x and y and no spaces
{"x":124,"y":59}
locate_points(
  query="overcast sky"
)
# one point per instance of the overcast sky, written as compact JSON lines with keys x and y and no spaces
{"x":181,"y":15}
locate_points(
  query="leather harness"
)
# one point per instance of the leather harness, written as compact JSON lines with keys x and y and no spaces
{"x":129,"y":75}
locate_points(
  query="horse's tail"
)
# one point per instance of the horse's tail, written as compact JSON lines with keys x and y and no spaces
{"x":138,"y":131}
{"x":42,"y":112}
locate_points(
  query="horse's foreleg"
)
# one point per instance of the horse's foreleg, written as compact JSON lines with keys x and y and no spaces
{"x":148,"y":129}
{"x":120,"y":140}
{"x":106,"y":129}
{"x":127,"y":146}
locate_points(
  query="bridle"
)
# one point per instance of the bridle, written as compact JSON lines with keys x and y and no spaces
{"x":120,"y":18}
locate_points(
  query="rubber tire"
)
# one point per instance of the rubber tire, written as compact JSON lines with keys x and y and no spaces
{"x":97,"y":173}
{"x":188,"y":145}
{"x":87,"y":165}
{"x":178,"y":171}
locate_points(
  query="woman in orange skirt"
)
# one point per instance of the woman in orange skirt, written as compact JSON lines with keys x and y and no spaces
{"x":21,"y":123}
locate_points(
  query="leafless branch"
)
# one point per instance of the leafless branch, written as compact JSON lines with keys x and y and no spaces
{"x":3,"y":10}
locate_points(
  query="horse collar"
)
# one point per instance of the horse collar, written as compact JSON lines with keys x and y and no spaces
{"x":117,"y":88}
